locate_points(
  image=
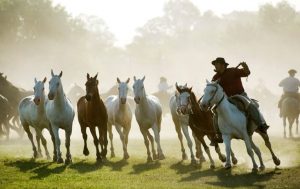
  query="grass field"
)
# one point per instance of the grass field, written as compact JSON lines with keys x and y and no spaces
{"x":18,"y":170}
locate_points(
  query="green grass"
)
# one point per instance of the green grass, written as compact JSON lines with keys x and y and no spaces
{"x":18,"y":170}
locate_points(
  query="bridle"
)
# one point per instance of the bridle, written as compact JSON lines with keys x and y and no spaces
{"x":213,"y":96}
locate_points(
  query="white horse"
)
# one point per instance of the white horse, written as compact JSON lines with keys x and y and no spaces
{"x":120,"y":115}
{"x":148,"y":114}
{"x":233,"y":124}
{"x":181,"y":122}
{"x":60,"y":113}
{"x":32,"y":113}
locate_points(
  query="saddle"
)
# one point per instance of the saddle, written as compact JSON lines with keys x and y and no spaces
{"x":242,"y":103}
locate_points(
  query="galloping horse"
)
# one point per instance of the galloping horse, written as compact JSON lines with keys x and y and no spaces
{"x":290,"y":112}
{"x":233,"y":124}
{"x":200,"y":122}
{"x":92,"y":113}
{"x":181,"y":122}
{"x":32,"y":113}
{"x":120,"y":115}
{"x":148,"y":114}
{"x":60,"y":113}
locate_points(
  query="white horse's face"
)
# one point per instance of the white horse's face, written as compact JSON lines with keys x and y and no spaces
{"x":210,"y":96}
{"x":138,"y":89}
{"x":183,"y":100}
{"x":39,"y":91}
{"x":123,"y":90}
{"x":54,"y":85}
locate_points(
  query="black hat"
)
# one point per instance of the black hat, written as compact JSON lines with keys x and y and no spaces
{"x":291,"y":71}
{"x":219,"y":60}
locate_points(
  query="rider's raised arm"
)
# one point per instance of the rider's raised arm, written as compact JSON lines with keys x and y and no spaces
{"x":244,"y":72}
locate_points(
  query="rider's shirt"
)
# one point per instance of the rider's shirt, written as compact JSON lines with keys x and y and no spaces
{"x":163,"y":87}
{"x":230,"y":81}
{"x":290,"y":85}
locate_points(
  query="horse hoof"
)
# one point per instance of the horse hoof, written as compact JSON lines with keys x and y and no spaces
{"x":202,"y":159}
{"x":161,"y":157}
{"x":39,"y":155}
{"x":198,"y":155}
{"x":112,"y":155}
{"x":234,"y":161}
{"x":184,"y":156}
{"x":68,"y":161}
{"x":193,"y":162}
{"x":86,"y":152}
{"x":254,"y":169}
{"x":48,"y":157}
{"x":60,"y":160}
{"x":99,"y":159}
{"x":276,"y":161}
{"x":227,"y":166}
{"x":126,"y":156}
{"x":54,"y":159}
{"x":262,"y":167}
{"x":222,"y":158}
{"x":35,"y":155}
{"x":155,"y":156}
{"x":149,"y":159}
{"x":212,"y":166}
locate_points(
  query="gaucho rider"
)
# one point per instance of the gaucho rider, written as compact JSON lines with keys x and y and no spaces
{"x":230,"y":81}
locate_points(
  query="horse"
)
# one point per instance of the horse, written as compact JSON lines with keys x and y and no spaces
{"x":148,"y":114}
{"x":200,"y":122}
{"x":120,"y":115}
{"x":181,"y":122}
{"x":233,"y":124}
{"x":164,"y":98}
{"x":290,"y":112}
{"x":32,"y":113}
{"x":4,"y":113}
{"x":75,"y":93}
{"x":60,"y":113}
{"x":92,"y":113}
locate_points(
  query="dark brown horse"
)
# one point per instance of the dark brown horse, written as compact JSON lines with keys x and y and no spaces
{"x":201,"y":122}
{"x":92,"y":113}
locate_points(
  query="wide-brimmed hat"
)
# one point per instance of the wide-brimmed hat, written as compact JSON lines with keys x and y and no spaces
{"x":163,"y":79}
{"x":219,"y":60}
{"x":291,"y":71}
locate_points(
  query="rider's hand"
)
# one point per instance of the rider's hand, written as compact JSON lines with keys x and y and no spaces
{"x":244,"y":64}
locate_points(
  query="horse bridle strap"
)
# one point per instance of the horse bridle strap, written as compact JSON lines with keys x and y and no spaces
{"x":216,"y":86}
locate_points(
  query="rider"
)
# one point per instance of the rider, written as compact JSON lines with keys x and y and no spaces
{"x":163,"y":85}
{"x":230,"y":81}
{"x":290,"y":87}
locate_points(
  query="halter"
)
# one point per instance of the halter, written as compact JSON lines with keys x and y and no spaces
{"x":213,"y":96}
{"x":188,"y":105}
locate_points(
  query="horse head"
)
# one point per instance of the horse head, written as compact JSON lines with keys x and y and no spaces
{"x":183,"y":99}
{"x":138,"y":89}
{"x":39,"y":91}
{"x":91,"y":87}
{"x":213,"y":93}
{"x":54,"y":85}
{"x":123,"y":90}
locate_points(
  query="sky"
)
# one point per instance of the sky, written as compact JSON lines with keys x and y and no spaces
{"x":124,"y":16}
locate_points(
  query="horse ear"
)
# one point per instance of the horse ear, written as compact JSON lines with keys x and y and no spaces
{"x":96,"y":76}
{"x":60,"y":74}
{"x":5,"y":77}
{"x":118,"y":80}
{"x":134,"y":78}
{"x":88,"y":76}
{"x":177,"y":88}
{"x":97,"y":82}
{"x":207,"y":82}
{"x":144,"y":78}
{"x":45,"y":79}
{"x":35,"y":81}
{"x":52,"y":74}
{"x":185,"y":85}
{"x":190,"y":89}
{"x":128,"y":80}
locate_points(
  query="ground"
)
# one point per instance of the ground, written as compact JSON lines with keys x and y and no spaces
{"x":19,"y":170}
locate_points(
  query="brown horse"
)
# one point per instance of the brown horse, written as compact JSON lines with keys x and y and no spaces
{"x":201,"y":122}
{"x":92,"y":113}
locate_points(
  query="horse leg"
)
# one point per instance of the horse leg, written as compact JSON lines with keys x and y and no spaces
{"x":290,"y":127}
{"x":199,"y":152}
{"x":126,"y":130}
{"x":68,"y":141}
{"x":247,"y":141}
{"x":189,"y":142}
{"x":179,"y":134}
{"x":53,"y":142}
{"x":84,"y":136}
{"x":96,"y":142}
{"x":284,"y":126}
{"x":27,"y":130}
{"x":103,"y":139}
{"x":110,"y":133}
{"x":122,"y":138}
{"x":297,"y":124}
{"x":265,"y":137}
{"x":258,"y":153}
{"x":38,"y":141}
{"x":57,"y":143}
{"x":227,"y":142}
{"x":150,"y":137}
{"x":146,"y":141}
{"x":44,"y":143}
{"x":233,"y":159}
{"x":206,"y":148}
{"x":222,"y":157}
{"x":155,"y":129}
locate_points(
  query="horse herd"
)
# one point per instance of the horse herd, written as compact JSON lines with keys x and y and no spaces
{"x":54,"y":111}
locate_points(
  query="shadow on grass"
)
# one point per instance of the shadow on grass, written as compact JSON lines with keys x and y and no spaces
{"x":143,"y":167}
{"x":182,"y":168}
{"x":226,"y":178}
{"x":118,"y":165}
{"x":41,"y":169}
{"x":85,"y":166}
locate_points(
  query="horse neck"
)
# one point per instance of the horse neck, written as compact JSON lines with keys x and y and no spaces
{"x":144,"y":101}
{"x":96,"y":98}
{"x":225,"y":108}
{"x":194,"y":103}
{"x":60,"y":97}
